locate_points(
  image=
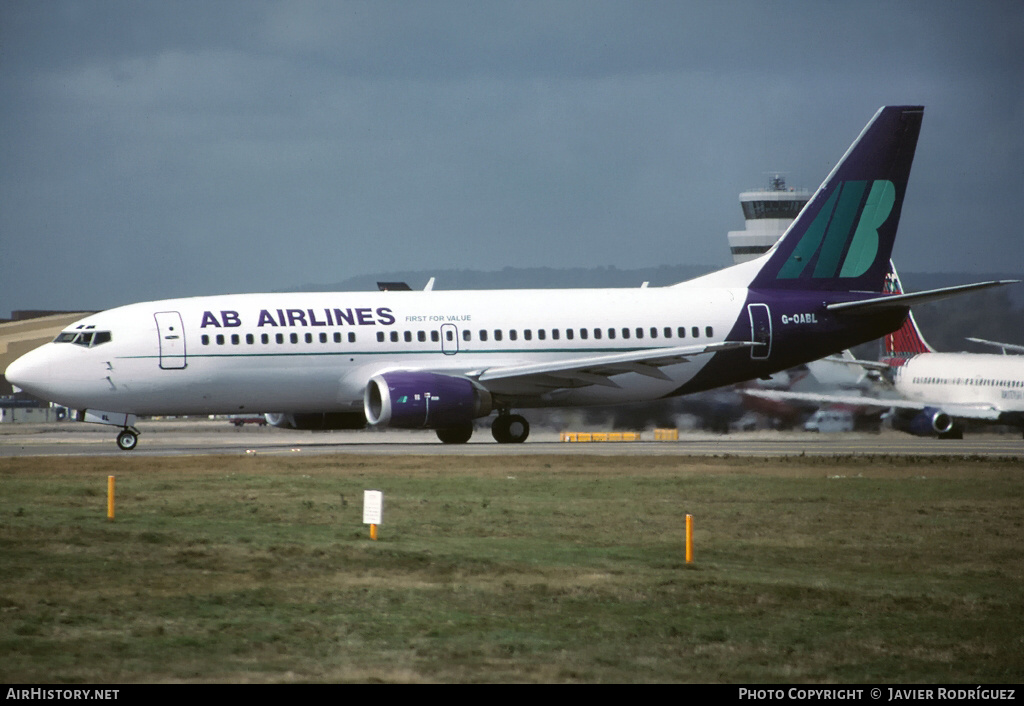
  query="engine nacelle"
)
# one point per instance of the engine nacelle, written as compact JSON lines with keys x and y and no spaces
{"x":316,"y":421}
{"x":420,"y":400}
{"x":930,"y":421}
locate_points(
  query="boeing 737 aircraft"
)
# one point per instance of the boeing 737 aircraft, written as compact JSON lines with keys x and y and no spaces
{"x":439,"y":360}
{"x":937,"y":392}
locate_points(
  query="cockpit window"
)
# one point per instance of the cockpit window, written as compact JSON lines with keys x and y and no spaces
{"x":86,"y":339}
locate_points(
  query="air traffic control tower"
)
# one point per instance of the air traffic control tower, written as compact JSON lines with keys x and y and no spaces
{"x":768,"y":213}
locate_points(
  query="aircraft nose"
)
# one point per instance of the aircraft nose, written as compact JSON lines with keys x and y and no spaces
{"x":28,"y":373}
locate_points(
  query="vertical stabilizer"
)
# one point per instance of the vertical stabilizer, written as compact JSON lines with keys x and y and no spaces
{"x":843,"y":237}
{"x":905,"y":342}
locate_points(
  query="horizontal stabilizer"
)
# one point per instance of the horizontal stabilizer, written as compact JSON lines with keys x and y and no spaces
{"x":896,"y":301}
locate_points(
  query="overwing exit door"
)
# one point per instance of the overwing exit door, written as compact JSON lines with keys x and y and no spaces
{"x":171,"y":335}
{"x":449,"y":339}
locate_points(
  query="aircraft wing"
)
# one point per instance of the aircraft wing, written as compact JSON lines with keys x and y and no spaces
{"x":954,"y":410}
{"x":866,"y":364}
{"x":597,"y":370}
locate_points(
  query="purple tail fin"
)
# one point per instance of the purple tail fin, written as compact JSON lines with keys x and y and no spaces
{"x":843,"y":237}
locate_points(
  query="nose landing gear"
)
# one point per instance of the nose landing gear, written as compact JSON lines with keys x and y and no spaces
{"x":128,"y":439}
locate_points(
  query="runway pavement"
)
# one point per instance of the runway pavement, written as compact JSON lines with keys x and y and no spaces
{"x":176,"y":438}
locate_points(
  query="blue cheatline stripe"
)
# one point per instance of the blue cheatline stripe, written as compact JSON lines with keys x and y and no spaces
{"x":432,"y":351}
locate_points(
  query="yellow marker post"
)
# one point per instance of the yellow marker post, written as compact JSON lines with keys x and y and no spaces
{"x":373,"y":532}
{"x":110,"y":497}
{"x":689,"y":539}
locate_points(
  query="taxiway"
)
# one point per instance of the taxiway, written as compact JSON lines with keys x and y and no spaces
{"x":182,"y":438}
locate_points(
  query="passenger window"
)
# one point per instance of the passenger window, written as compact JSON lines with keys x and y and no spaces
{"x":323,"y":338}
{"x":408,"y":336}
{"x":250,"y":339}
{"x":483,"y":334}
{"x":380,"y":337}
{"x":639,"y":332}
{"x":265,"y":338}
{"x":235,"y":340}
{"x":681,"y":332}
{"x":279,"y":338}
{"x":654,"y":332}
{"x":695,"y":331}
{"x":351,"y":338}
{"x":597,"y":334}
{"x":394,"y":336}
{"x":309,"y":338}
{"x":709,"y":332}
{"x":421,"y":336}
{"x":554,"y":334}
{"x":497,"y":334}
{"x":625,"y":333}
{"x":205,"y":339}
{"x":513,"y":336}
{"x":611,"y":333}
{"x":668,"y":332}
{"x":583,"y":334}
{"x":220,"y":339}
{"x":435,"y":336}
{"x":466,"y":335}
{"x":541,"y":334}
{"x":528,"y":334}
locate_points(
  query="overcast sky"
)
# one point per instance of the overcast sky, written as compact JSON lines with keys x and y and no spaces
{"x":152,"y":150}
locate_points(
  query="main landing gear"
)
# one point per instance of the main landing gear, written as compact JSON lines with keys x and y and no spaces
{"x":510,"y":428}
{"x":506,"y":429}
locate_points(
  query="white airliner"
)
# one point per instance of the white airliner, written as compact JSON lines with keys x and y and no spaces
{"x":438,"y":360}
{"x":936,"y":392}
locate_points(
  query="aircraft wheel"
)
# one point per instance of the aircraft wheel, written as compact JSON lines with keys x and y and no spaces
{"x":456,"y":435}
{"x":127,"y":440}
{"x":510,"y":429}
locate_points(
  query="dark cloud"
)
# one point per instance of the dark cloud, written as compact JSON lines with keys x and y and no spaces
{"x":153,"y":150}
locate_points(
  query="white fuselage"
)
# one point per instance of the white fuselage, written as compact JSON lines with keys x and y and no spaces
{"x":975,"y":379}
{"x":316,"y":351}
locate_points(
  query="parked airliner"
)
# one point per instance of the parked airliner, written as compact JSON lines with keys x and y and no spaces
{"x":935,"y":393}
{"x":438,"y":360}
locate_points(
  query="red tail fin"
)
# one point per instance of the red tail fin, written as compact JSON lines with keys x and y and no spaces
{"x":906,"y":342}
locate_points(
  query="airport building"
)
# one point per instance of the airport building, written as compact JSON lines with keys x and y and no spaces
{"x":768,"y":213}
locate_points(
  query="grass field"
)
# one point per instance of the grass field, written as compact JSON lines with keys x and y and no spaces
{"x":512,"y":569}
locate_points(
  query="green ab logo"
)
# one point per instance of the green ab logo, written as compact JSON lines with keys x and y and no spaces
{"x":833,"y":228}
